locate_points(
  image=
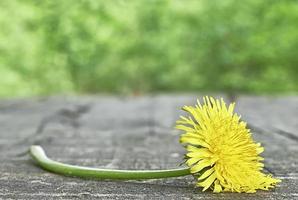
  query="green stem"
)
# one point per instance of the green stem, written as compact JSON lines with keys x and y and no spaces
{"x":38,"y":154}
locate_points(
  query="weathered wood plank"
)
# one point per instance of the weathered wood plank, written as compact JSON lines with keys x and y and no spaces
{"x":128,"y":133}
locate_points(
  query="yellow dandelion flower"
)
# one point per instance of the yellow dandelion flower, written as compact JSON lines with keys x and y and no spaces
{"x":221,"y":153}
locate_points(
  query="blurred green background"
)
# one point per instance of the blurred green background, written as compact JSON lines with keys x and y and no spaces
{"x":138,"y":46}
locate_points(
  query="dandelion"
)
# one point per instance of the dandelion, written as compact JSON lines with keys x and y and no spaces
{"x":221,"y":153}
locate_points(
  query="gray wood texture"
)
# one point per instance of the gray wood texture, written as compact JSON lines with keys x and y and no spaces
{"x":130,"y":133}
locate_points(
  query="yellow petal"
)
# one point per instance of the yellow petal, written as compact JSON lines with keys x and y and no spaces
{"x":202,"y":153}
{"x":260,"y":150}
{"x":194,"y":141}
{"x":201,"y":165}
{"x":192,"y":161}
{"x":217,"y":187}
{"x":206,"y":174}
{"x":207,"y":183}
{"x":193,"y":112}
{"x":192,"y":135}
{"x":192,"y":148}
{"x":231,"y":108}
{"x":185,"y":128}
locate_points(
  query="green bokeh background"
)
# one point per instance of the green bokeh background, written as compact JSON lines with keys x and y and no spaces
{"x":138,"y":46}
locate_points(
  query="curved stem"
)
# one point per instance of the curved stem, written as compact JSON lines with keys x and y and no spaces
{"x":38,"y":154}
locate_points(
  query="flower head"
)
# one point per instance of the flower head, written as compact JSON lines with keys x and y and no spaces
{"x":221,"y":153}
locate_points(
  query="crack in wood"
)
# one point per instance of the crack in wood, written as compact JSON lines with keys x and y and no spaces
{"x":287,"y":134}
{"x":63,"y":116}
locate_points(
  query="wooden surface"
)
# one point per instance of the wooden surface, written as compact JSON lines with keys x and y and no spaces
{"x":130,"y":133}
